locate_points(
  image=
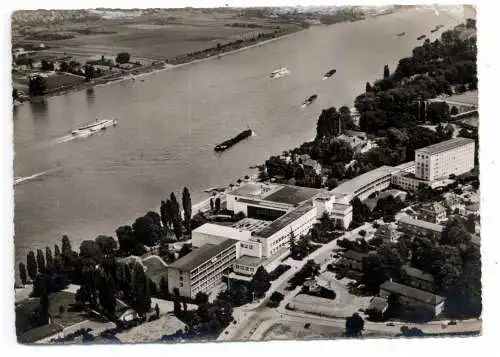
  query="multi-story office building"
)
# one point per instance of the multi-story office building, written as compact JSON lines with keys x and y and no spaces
{"x":202,"y":269}
{"x":438,"y":161}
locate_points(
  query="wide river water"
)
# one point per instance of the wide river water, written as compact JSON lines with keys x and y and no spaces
{"x":170,"y":122}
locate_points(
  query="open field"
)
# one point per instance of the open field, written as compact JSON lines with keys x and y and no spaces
{"x":156,"y":37}
{"x":297,"y":331}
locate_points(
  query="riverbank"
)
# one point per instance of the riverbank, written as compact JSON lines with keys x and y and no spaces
{"x":184,"y":60}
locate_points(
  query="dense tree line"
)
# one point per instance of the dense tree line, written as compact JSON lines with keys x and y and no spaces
{"x":454,"y":262}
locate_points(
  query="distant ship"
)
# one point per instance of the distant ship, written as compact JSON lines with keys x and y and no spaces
{"x":281,"y":72}
{"x":233,"y":141}
{"x":421,"y":37}
{"x":329,"y":74}
{"x":309,"y":100}
{"x":94,"y":126}
{"x":401,"y":34}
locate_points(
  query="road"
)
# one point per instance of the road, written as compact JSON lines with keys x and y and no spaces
{"x":253,"y":320}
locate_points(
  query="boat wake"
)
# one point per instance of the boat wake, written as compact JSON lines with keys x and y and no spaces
{"x":18,"y":180}
{"x":66,"y":138}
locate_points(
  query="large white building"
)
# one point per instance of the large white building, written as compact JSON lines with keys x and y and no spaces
{"x":438,"y":161}
{"x":274,"y":214}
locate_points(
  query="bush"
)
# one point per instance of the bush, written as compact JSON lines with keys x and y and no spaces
{"x":122,"y":57}
{"x":277,"y":297}
{"x":280,"y":269}
{"x":362,"y":233}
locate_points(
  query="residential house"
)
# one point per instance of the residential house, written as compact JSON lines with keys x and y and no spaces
{"x":353,"y":260}
{"x":312,"y":165}
{"x":432,"y":212}
{"x":417,"y":278}
{"x":416,"y":226}
{"x":412,"y":299}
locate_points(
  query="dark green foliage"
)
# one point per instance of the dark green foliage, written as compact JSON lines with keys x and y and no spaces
{"x":186,"y":206}
{"x":260,"y":283}
{"x":146,"y":230}
{"x":308,"y":271}
{"x":122,"y":57}
{"x":49,"y":259}
{"x":22,"y":273}
{"x":40,"y":261}
{"x":354,"y":325}
{"x":37,"y":86}
{"x":32,"y":265}
{"x":107,"y":245}
{"x":387,"y":73}
{"x":126,"y":239}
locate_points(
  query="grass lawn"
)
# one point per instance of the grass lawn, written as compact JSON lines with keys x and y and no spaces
{"x":62,"y":79}
{"x":25,"y":309}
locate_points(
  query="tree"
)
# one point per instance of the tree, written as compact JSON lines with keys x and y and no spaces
{"x":354,"y":325}
{"x":90,"y":250}
{"x":107,"y":245}
{"x":57,"y":251}
{"x":217,"y":204}
{"x":37,"y":86}
{"x":32,"y":265}
{"x":61,"y":310}
{"x":387,"y":73}
{"x":185,"y":250}
{"x":66,"y":247}
{"x":260,"y":282}
{"x":89,"y":72}
{"x":211,"y":204}
{"x":453,"y":110}
{"x":64,"y":67}
{"x":141,"y":301}
{"x":22,"y":273}
{"x":126,"y":238}
{"x":49,"y":259}
{"x":201,"y":298}
{"x":329,"y":124}
{"x":122,"y":57}
{"x":157,"y":310}
{"x":146,"y":230}
{"x":40,"y":261}
{"x":368,"y":87}
{"x":15,"y":94}
{"x":106,"y":292}
{"x":45,"y":66}
{"x":186,"y":205}
{"x":173,"y":211}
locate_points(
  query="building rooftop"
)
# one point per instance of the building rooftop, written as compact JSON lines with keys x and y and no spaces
{"x":417,"y":273}
{"x":420,"y":223}
{"x":292,"y":195}
{"x":200,"y":255}
{"x":218,"y":230}
{"x":361,"y":181}
{"x":412,"y":293}
{"x":248,"y":261}
{"x":445,"y":145}
{"x":406,"y":166}
{"x":433,"y":207}
{"x":466,"y":98}
{"x":285,"y":220}
{"x":341,"y":207}
{"x":351,"y":254}
{"x":378,"y":304}
{"x":284,"y":194}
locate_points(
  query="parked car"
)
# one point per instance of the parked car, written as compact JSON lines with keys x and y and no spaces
{"x":307,"y":325}
{"x":390,"y":324}
{"x":452,"y":323}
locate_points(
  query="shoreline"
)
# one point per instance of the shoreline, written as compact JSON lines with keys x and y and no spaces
{"x":156,"y":68}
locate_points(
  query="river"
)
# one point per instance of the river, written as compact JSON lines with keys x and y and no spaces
{"x":169,"y":124}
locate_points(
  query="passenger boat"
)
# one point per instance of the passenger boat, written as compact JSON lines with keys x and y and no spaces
{"x":309,"y":100}
{"x":94,"y":126}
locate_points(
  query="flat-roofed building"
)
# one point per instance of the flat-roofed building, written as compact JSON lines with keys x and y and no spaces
{"x":413,"y":299}
{"x":202,"y":269}
{"x":438,"y":161}
{"x":364,"y":185}
{"x":416,"y":226}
